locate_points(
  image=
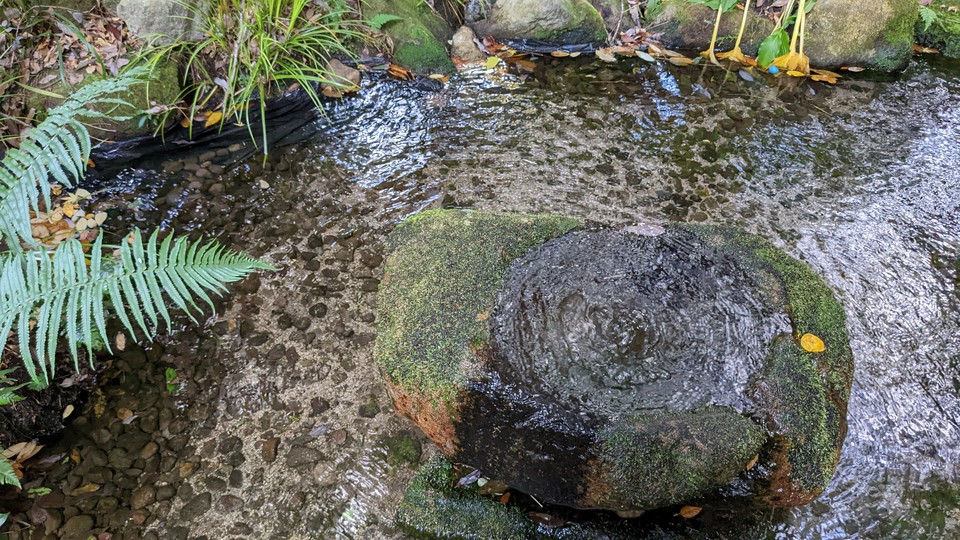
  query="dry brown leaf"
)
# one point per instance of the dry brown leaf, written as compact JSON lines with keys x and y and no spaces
{"x":690,"y":512}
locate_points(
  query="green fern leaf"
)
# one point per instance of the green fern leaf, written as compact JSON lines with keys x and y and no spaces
{"x":60,"y":291}
{"x":7,"y":476}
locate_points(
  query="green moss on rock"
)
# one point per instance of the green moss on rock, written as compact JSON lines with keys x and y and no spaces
{"x":419,"y":36}
{"x":806,"y":393}
{"x":670,"y":458}
{"x":433,"y":508}
{"x":554,"y":21}
{"x":442,"y":276}
{"x":838,"y":33}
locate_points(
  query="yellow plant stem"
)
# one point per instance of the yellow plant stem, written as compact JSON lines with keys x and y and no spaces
{"x":796,"y":27}
{"x":743,"y":25}
{"x":713,"y":39}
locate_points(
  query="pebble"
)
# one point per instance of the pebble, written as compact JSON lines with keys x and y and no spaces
{"x":300,"y":456}
{"x":269,"y":449}
{"x":229,"y":503}
{"x":77,"y":528}
{"x":143,"y":496}
{"x":196,"y":507}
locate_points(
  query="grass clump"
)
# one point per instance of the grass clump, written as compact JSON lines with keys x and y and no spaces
{"x":257,"y":49}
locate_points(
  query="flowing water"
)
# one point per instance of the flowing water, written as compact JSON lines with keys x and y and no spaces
{"x":859,"y":180}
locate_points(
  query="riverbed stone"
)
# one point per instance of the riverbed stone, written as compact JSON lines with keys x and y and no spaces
{"x":451,"y":360}
{"x":554,"y":21}
{"x":77,"y":528}
{"x":464,"y":47}
{"x":687,"y":26}
{"x":196,"y":507}
{"x":839,"y":34}
{"x":419,"y":35}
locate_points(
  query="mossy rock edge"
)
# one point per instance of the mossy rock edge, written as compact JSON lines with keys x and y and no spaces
{"x":444,"y":272}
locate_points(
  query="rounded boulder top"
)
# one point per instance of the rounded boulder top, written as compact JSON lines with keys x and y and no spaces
{"x":620,"y":369}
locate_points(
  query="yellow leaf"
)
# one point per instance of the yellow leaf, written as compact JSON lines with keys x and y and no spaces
{"x":213,"y":118}
{"x":86,"y":488}
{"x":606,"y":55}
{"x":185,"y":123}
{"x":67,"y":411}
{"x":560,"y":54}
{"x":688,"y":512}
{"x":812,"y":343}
{"x":439,"y":77}
{"x":70,"y":209}
{"x":796,"y":73}
{"x":91,"y":164}
{"x":492,"y":62}
{"x":681,"y":61}
{"x":753,"y":462}
{"x":482,"y":316}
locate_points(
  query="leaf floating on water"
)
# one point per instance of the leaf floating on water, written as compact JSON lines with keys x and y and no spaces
{"x":646,"y":57}
{"x":690,"y":512}
{"x":440,"y":77}
{"x":185,"y":123}
{"x":86,"y":488}
{"x":812,"y":343}
{"x":606,"y":55}
{"x":492,"y":62}
{"x":853,"y":69}
{"x":546,"y":520}
{"x":681,"y":61}
{"x":213,"y":118}
{"x":560,"y":54}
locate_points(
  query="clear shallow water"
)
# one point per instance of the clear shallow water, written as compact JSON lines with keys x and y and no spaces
{"x":859,"y":180}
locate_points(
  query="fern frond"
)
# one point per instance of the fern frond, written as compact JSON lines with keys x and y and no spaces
{"x":57,"y":148}
{"x":7,"y":476}
{"x":8,"y":393}
{"x":43,"y":293}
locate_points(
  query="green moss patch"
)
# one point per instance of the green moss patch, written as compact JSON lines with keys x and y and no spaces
{"x":433,"y":508}
{"x":670,"y":458}
{"x":419,"y":35}
{"x":442,"y":276}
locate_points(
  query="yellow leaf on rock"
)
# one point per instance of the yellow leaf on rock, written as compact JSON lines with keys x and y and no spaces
{"x":86,"y":488}
{"x":688,"y":512}
{"x":70,"y":209}
{"x":812,"y":343}
{"x":213,"y":118}
{"x":492,"y":62}
{"x":681,"y":61}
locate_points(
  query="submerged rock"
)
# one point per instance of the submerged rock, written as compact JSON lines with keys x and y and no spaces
{"x":876,"y":34}
{"x":609,"y":370}
{"x":552,"y":21}
{"x":419,"y":35}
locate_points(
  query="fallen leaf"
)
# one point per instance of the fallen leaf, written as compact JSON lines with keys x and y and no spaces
{"x":67,"y":411}
{"x":120,"y":341}
{"x":492,"y":62}
{"x":606,"y":55}
{"x":86,"y":488}
{"x":812,"y":343}
{"x":123,"y":413}
{"x":753,"y":462}
{"x":213,"y":118}
{"x":185,"y":123}
{"x":75,"y":455}
{"x":482,"y":316}
{"x":505,"y":498}
{"x":793,"y":73}
{"x":646,"y":57}
{"x":853,"y":69}
{"x":681,"y":61}
{"x":440,"y":77}
{"x":690,"y":512}
{"x":560,"y":54}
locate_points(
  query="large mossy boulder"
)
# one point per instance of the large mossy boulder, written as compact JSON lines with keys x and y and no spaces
{"x":419,"y":35}
{"x":613,"y":369}
{"x":877,"y":34}
{"x":552,"y":21}
{"x":688,"y":26}
{"x":943,"y":33}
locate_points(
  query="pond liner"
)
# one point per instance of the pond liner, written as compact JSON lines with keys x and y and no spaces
{"x":287,"y":116}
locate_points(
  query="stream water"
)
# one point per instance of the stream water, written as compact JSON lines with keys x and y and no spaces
{"x":859,"y":180}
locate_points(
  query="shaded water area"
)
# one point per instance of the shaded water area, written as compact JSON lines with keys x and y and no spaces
{"x":279,"y":426}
